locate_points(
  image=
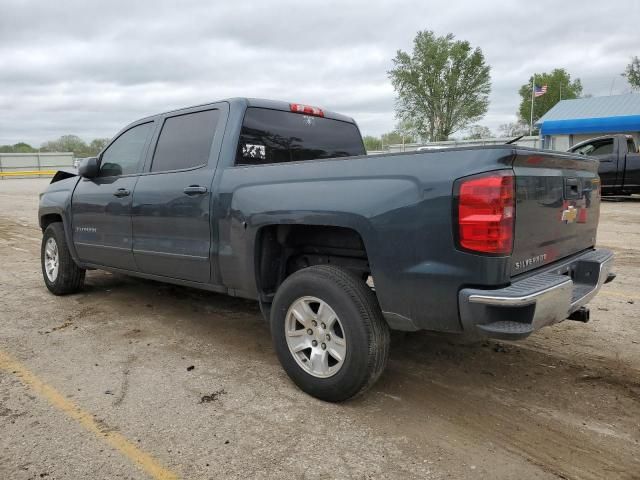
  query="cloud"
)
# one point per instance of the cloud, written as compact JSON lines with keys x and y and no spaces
{"x":89,"y":68}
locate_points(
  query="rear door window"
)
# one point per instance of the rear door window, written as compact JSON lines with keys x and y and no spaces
{"x":631,"y":146}
{"x":185,"y":141}
{"x":275,"y":136}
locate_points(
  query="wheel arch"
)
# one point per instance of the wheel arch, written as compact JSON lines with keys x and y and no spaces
{"x":281,"y":249}
{"x":49,"y":218}
{"x":49,"y":215}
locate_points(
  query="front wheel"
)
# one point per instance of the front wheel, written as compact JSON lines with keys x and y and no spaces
{"x":329,"y":333}
{"x":60,"y":272}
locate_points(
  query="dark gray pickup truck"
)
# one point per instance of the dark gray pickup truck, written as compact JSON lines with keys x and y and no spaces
{"x":619,"y":161}
{"x":279,"y":203}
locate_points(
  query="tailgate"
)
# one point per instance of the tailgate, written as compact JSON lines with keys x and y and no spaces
{"x":557,"y":207}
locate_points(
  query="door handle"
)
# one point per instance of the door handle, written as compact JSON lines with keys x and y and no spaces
{"x":122,"y":192}
{"x":195,"y":190}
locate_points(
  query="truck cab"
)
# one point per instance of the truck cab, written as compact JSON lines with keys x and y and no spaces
{"x":619,"y":162}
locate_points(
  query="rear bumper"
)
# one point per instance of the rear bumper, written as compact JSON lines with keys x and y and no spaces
{"x":545,"y":298}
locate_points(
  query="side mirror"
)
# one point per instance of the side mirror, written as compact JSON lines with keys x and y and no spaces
{"x":89,"y":167}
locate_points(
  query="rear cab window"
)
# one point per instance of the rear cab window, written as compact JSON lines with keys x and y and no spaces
{"x":275,"y":136}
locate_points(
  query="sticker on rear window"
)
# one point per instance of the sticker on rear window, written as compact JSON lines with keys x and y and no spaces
{"x":254,"y":151}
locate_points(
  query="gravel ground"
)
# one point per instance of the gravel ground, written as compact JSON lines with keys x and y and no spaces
{"x":565,"y":403}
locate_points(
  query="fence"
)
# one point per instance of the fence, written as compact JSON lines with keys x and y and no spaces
{"x":23,"y":165}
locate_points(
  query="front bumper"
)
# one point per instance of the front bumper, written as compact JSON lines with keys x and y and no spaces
{"x":545,"y":298}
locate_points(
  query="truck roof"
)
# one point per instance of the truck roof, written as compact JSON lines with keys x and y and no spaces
{"x":260,"y":103}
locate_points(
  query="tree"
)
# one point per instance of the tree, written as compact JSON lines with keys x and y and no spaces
{"x":442,"y":86}
{"x":558,"y":84}
{"x":632,"y":73}
{"x":66,"y":143}
{"x":17,"y":148}
{"x":372,"y":143}
{"x":397,"y":137}
{"x":23,"y":148}
{"x":96,"y":146}
{"x":476,"y":132}
{"x":514,"y":129}
{"x":406,"y":131}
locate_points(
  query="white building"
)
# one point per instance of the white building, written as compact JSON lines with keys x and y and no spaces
{"x":573,"y":121}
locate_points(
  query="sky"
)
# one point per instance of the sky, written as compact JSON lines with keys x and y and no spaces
{"x":90,"y":67}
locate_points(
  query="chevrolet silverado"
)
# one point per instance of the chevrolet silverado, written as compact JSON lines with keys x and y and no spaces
{"x":279,"y":202}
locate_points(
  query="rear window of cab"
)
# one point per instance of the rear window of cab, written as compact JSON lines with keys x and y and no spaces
{"x":275,"y":136}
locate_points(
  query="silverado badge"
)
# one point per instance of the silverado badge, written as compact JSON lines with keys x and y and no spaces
{"x":528,"y":262}
{"x":570,"y":214}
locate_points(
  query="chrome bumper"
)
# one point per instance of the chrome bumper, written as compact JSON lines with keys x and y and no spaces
{"x":536,"y":301}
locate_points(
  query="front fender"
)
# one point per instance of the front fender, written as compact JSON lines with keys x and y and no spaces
{"x":56,"y":200}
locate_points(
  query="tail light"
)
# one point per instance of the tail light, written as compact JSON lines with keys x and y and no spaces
{"x":306,"y":109}
{"x":486,"y":212}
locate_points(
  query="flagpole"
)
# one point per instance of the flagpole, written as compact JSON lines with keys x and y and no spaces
{"x":533,"y":88}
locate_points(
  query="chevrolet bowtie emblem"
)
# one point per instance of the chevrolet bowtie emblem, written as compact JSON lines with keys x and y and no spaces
{"x":570,"y":214}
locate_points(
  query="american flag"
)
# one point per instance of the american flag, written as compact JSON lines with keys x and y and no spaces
{"x":539,"y":91}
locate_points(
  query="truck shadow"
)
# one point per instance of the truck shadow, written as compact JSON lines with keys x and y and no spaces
{"x":432,"y":357}
{"x":553,"y":410}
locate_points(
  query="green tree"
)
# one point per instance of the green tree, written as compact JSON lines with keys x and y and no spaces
{"x":96,"y":146}
{"x":67,"y":143}
{"x":17,"y":148}
{"x":476,"y":132}
{"x":407,"y":130}
{"x":559,"y":85}
{"x":442,"y":86}
{"x":372,"y":143}
{"x":513,"y":129}
{"x":23,"y":148}
{"x":397,"y":137}
{"x":632,"y":73}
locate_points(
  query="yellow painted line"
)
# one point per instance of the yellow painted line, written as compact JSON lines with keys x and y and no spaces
{"x":26,"y":173}
{"x":142,"y":459}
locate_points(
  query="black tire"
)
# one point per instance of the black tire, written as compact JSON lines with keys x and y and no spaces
{"x":366,"y":331}
{"x":70,"y":277}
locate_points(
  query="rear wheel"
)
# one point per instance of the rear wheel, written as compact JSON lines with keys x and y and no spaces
{"x":60,"y":272}
{"x":329,"y":333}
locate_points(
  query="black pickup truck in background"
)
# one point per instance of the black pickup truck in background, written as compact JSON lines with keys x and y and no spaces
{"x":279,"y":203}
{"x":619,"y":162}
